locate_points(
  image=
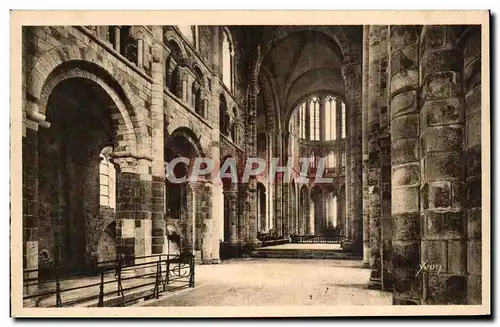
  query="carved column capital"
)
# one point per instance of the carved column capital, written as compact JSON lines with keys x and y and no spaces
{"x":125,"y":164}
{"x":33,"y":114}
{"x":184,"y":74}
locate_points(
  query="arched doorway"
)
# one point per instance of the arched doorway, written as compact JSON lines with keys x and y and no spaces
{"x":70,"y":165}
{"x":181,"y":148}
{"x":261,"y":208}
{"x":293,"y":209}
{"x":106,"y":247}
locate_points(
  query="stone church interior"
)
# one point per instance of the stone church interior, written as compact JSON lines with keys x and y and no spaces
{"x":395,"y":111}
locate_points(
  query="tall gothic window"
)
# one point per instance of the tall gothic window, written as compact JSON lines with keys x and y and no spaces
{"x":303,"y":120}
{"x":330,"y":118}
{"x":310,"y":116}
{"x":343,"y":122}
{"x":227,"y":61}
{"x":314,"y":120}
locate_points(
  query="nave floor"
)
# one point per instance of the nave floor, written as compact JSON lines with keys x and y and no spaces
{"x":267,"y":282}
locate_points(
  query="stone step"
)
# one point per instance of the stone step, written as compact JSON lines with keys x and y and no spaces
{"x":304,"y":254}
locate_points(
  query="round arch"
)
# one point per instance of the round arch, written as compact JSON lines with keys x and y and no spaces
{"x":86,"y":63}
{"x":172,"y":38}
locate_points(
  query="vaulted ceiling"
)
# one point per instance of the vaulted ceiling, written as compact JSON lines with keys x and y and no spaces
{"x":300,"y":61}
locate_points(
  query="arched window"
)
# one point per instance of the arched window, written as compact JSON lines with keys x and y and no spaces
{"x":343,"y":127}
{"x":302,"y":121}
{"x":314,"y":119}
{"x":331,"y":211}
{"x":196,"y":101}
{"x":172,"y":69}
{"x":330,"y":118}
{"x":227,"y":60}
{"x":309,"y":119}
{"x":234,"y":128}
{"x":128,"y":44}
{"x":223,"y":116}
{"x":107,"y":180}
{"x":194,"y":89}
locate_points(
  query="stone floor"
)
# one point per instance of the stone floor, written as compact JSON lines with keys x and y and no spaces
{"x":258,"y":281}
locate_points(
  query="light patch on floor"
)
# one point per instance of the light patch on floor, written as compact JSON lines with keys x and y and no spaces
{"x":255,"y":281}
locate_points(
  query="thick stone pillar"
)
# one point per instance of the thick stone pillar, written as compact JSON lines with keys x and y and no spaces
{"x":212,"y":113}
{"x":472,"y":88}
{"x":158,"y":241}
{"x":346,"y":246}
{"x":217,"y":205}
{"x":133,"y":203}
{"x":188,"y":219}
{"x":385,"y":208}
{"x":286,"y":208}
{"x":366,"y":203}
{"x":377,"y":46}
{"x":30,"y":212}
{"x":242,"y":204}
{"x":442,"y":131}
{"x":231,"y":195}
{"x":404,"y":63}
{"x":351,"y":70}
{"x":251,"y":151}
{"x":205,"y":218}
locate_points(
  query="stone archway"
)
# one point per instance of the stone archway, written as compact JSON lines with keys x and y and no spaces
{"x":84,"y":119}
{"x":106,"y":246}
{"x":261,"y":208}
{"x":183,"y":197}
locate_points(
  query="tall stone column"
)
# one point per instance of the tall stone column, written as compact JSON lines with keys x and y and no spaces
{"x":404,"y":67}
{"x":378,"y":53}
{"x":184,"y":84}
{"x":278,"y":185}
{"x":251,"y":150}
{"x":286,"y":208}
{"x":346,"y":246}
{"x":158,"y":139}
{"x":442,"y":131}
{"x":472,"y":88}
{"x":351,"y":70}
{"x":212,"y":113}
{"x":366,"y":203}
{"x":270,"y":186}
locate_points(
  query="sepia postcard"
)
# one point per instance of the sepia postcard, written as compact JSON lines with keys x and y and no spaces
{"x":250,"y":163}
